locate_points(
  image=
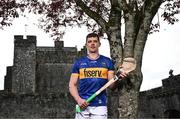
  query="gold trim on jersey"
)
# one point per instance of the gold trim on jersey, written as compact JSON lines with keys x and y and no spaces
{"x":74,"y":74}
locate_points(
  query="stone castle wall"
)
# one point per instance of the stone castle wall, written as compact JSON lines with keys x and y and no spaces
{"x":161,"y":102}
{"x":39,"y":69}
{"x":36,"y":86}
{"x":36,"y":106}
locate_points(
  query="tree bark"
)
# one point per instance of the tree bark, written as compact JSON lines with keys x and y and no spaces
{"x":128,"y":96}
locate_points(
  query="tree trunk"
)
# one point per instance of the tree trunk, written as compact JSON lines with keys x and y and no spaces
{"x":124,"y":102}
{"x":128,"y":96}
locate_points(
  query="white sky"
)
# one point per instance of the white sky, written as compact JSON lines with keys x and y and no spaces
{"x":161,"y":54}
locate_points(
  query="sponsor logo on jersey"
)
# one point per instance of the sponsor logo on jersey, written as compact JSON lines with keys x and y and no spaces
{"x":93,"y":73}
{"x":103,"y":64}
{"x":84,"y":63}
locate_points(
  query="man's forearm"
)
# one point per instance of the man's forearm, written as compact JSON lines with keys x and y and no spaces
{"x":74,"y":92}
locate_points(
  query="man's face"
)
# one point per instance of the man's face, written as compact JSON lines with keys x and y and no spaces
{"x":92,"y":44}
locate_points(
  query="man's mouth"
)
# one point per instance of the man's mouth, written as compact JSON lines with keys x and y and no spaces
{"x":93,"y":47}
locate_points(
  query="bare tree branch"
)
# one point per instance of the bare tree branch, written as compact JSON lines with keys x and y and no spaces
{"x":92,"y":14}
{"x":150,"y":9}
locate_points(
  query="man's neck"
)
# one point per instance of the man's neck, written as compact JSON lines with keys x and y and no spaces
{"x":93,"y":56}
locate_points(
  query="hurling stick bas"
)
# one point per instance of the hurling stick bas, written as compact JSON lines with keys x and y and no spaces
{"x":129,"y":64}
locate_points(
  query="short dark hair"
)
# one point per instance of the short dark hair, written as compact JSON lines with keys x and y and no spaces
{"x":92,"y":35}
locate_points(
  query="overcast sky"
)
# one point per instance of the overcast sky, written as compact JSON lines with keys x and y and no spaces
{"x":162,"y":51}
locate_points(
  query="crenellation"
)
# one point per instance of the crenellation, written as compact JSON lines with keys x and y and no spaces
{"x":58,"y":44}
{"x":24,"y":43}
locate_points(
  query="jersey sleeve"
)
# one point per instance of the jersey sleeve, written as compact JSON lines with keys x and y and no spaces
{"x":111,"y":65}
{"x":75,"y":69}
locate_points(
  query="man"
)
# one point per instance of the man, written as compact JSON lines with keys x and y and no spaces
{"x":90,"y":73}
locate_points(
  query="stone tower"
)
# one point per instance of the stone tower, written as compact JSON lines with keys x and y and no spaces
{"x":24,"y":68}
{"x":40,"y":69}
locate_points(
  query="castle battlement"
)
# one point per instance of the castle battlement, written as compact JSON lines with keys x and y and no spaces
{"x":20,"y":42}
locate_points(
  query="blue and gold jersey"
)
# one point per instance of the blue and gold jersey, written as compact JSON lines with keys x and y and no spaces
{"x":93,"y":74}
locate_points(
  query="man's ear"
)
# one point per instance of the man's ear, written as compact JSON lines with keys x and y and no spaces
{"x":86,"y":44}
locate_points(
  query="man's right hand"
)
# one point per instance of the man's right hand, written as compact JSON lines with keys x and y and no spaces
{"x":82,"y":103}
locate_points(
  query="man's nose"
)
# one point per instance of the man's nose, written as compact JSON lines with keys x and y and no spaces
{"x":93,"y":44}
